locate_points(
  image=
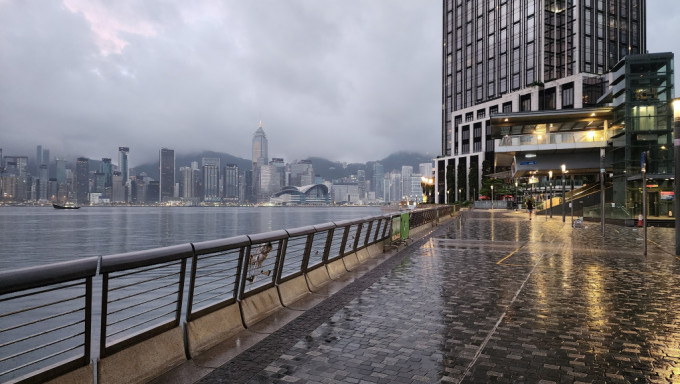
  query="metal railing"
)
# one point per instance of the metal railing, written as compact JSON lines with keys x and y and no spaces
{"x":580,"y":137}
{"x":48,"y":312}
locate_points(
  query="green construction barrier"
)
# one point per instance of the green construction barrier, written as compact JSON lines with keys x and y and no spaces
{"x":396,"y":228}
{"x":404,"y":226}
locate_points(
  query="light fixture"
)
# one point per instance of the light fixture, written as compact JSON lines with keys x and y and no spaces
{"x":530,"y":155}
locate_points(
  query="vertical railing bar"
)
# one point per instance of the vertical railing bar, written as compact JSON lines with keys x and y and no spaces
{"x":357,"y":235}
{"x":343,"y":243}
{"x":280,"y":259}
{"x":192,"y":282}
{"x":307,"y":252}
{"x":243,"y":270}
{"x":88,"y":320}
{"x":329,"y":240}
{"x":180,"y":291}
{"x":105,"y":298}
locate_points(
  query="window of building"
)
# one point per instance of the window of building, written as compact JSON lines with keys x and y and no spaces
{"x":568,"y":95}
{"x":469,"y":116}
{"x":525,"y":102}
{"x":493,"y":110}
{"x":507,"y":107}
{"x":481,"y":113}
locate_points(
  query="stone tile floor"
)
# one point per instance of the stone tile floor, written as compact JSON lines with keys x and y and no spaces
{"x":491,"y":297}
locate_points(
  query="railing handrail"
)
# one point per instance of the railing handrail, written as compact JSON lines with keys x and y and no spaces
{"x":48,"y":274}
{"x":171,"y":264}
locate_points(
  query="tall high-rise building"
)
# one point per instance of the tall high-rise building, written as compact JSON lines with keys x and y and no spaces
{"x":61,"y":171}
{"x":502,"y":56}
{"x":211,"y":179}
{"x":425,"y":169}
{"x":406,"y":173}
{"x":231,"y":182}
{"x":38,"y":158}
{"x":43,"y":178}
{"x":106,"y":168}
{"x":260,"y":158}
{"x":166,"y":164}
{"x":123,"y":165}
{"x":124,"y":169}
{"x":186,"y":182}
{"x":378,"y":183}
{"x":260,"y":150}
{"x":82,"y":180}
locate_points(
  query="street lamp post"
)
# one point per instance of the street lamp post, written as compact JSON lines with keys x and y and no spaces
{"x":491,"y":196}
{"x":676,"y":187}
{"x":564,"y":195}
{"x":551,"y":192}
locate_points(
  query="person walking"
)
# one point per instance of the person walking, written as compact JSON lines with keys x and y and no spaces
{"x":530,"y":206}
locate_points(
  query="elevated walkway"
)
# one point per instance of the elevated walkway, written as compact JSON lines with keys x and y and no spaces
{"x":488,"y":296}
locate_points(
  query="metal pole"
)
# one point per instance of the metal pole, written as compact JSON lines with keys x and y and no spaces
{"x":676,"y":187}
{"x":551,"y":199}
{"x":564,"y":200}
{"x":602,"y":213}
{"x":572,"y":201}
{"x":644,"y":199}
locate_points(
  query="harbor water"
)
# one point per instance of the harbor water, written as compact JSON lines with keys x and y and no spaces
{"x":41,"y":235}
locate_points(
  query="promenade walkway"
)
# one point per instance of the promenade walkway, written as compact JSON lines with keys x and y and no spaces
{"x":488,"y":297}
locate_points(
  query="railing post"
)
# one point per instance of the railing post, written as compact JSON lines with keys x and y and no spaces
{"x":104,"y":308}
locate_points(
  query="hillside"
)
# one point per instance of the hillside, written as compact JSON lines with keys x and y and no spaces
{"x":327,"y":169}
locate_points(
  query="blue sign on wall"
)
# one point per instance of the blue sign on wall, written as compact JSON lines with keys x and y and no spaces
{"x":527,"y":163}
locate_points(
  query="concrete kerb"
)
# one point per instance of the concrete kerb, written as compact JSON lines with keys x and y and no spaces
{"x":317,"y":278}
{"x":293,"y":290}
{"x":209,"y":330}
{"x":260,"y":305}
{"x":351,"y":262}
{"x":161,"y":353}
{"x":336,"y":268}
{"x":82,"y":375}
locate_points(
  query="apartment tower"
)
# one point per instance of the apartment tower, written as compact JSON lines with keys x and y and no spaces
{"x":502,"y":56}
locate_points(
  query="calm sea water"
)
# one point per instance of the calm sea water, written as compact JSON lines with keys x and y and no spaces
{"x":42,"y":235}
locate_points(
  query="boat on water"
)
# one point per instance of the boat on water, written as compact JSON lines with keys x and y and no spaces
{"x":65,"y":206}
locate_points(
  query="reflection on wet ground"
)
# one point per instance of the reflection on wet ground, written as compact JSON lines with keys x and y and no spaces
{"x":494,"y":297}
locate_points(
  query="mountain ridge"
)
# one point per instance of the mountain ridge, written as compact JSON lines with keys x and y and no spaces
{"x":327,"y":169}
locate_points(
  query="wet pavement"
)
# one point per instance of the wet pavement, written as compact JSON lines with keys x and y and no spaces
{"x":490,"y":297}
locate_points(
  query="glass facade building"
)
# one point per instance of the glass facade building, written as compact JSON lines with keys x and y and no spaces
{"x":503,"y":56}
{"x":642,"y":90}
{"x":167,"y":174}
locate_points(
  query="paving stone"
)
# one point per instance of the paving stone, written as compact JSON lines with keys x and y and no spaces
{"x":491,"y":297}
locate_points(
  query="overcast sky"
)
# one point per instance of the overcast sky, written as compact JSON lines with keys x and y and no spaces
{"x":349,"y":80}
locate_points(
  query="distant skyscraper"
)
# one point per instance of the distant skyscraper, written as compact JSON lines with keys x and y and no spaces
{"x":211,"y":179}
{"x":124,"y":168}
{"x":260,"y":144}
{"x":167,"y":174}
{"x":186,"y":182}
{"x":378,"y":184}
{"x":361,"y":183}
{"x":82,"y":180}
{"x":46,"y":157}
{"x":117,"y":188}
{"x":425,"y":169}
{"x":61,"y":171}
{"x":231,"y":182}
{"x":43,"y":177}
{"x":106,"y":168}
{"x":38,"y":158}
{"x":260,"y":160}
{"x":406,"y":173}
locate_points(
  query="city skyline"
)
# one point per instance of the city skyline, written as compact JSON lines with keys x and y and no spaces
{"x":200,"y":76}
